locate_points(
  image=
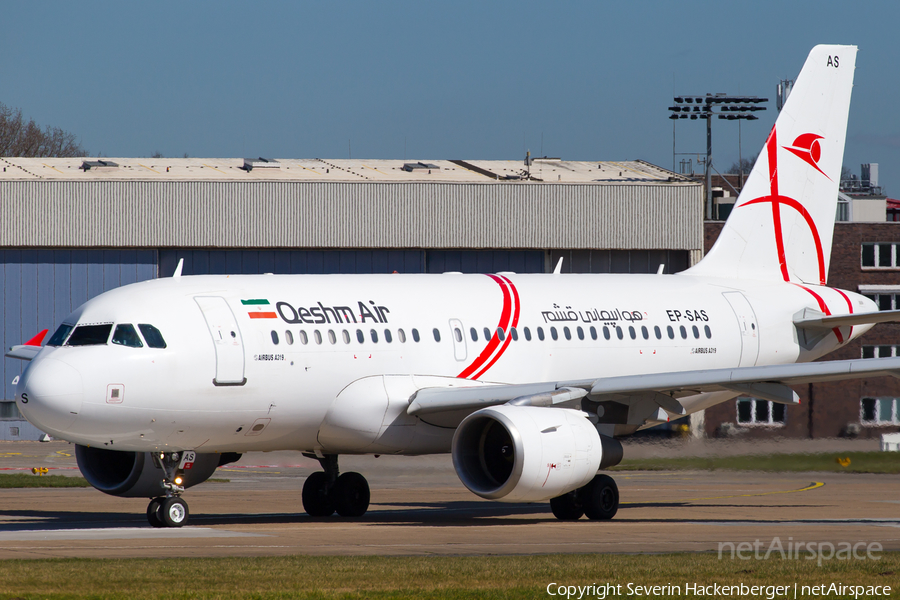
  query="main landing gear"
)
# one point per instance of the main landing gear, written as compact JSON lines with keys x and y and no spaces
{"x":325,"y":492}
{"x":169,"y":510}
{"x":599,"y":500}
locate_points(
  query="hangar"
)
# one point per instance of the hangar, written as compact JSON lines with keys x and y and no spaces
{"x":72,"y":228}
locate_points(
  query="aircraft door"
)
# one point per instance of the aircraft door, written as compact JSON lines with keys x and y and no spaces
{"x":746,"y":319}
{"x":458,"y":334}
{"x":227,"y":340}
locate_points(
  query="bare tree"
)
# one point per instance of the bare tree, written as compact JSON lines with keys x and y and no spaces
{"x":27,"y":139}
{"x":746,"y":163}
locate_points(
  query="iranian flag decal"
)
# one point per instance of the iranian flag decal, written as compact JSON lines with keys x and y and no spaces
{"x":259,"y":308}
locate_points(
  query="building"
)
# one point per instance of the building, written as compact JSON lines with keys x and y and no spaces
{"x":73,"y":228}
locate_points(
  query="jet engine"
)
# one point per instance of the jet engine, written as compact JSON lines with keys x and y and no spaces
{"x":528,"y":454}
{"x":134,"y":475}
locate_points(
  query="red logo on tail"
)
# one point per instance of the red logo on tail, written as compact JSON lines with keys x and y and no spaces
{"x":807,"y":147}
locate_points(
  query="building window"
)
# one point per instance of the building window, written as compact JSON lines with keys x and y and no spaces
{"x":9,"y":411}
{"x":885,"y":299}
{"x":753,"y":411}
{"x":879,"y":411}
{"x":880,"y":255}
{"x":13,"y":432}
{"x":880,"y":351}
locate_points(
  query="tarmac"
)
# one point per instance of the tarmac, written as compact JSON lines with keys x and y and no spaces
{"x":419,"y":507}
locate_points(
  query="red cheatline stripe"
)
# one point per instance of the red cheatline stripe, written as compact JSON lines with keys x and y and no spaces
{"x":515,"y":320}
{"x":494,"y":341}
{"x":849,"y":305}
{"x":772,"y":150}
{"x":824,"y":308}
{"x":263,"y":315}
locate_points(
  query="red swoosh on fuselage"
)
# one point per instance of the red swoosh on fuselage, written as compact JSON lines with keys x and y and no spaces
{"x":510,"y":307}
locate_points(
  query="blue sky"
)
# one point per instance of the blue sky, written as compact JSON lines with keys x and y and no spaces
{"x":479,"y":80}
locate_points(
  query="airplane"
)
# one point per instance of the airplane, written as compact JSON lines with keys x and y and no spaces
{"x":527,"y":380}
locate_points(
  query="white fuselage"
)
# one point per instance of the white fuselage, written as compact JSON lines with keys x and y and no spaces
{"x":211,"y":391}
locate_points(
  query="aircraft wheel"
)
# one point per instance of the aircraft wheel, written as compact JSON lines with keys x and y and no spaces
{"x":567,"y":507}
{"x":601,"y":498}
{"x":153,"y":512}
{"x":351,"y":495}
{"x":316,"y":500}
{"x":173,"y":512}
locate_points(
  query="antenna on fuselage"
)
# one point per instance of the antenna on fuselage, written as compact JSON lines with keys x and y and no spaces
{"x":177,"y":272}
{"x":558,"y":268}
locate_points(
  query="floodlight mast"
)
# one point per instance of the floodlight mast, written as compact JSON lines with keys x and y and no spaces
{"x":731,"y":108}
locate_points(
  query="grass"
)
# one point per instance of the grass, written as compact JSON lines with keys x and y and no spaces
{"x":323,"y":577}
{"x":27,"y":480}
{"x":860,"y":462}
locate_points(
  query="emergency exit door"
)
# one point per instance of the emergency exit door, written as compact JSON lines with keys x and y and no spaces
{"x":226,"y":338}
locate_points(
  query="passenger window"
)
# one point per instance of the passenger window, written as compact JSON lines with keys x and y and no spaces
{"x":289,"y":338}
{"x":274,"y":337}
{"x":474,"y":333}
{"x":304,"y":339}
{"x":567,"y":333}
{"x":401,"y":335}
{"x":346,"y":335}
{"x":606,"y":332}
{"x":553,"y":333}
{"x":62,"y":332}
{"x":657,"y":332}
{"x":527,"y":333}
{"x":540,"y":331}
{"x":415,"y":333}
{"x":514,"y":334}
{"x":125,"y":335}
{"x":90,"y":335}
{"x":593,"y":332}
{"x":487,"y":334}
{"x":671,"y":332}
{"x":683,"y":332}
{"x":632,"y":333}
{"x":374,"y":335}
{"x":359,"y":336}
{"x":153,"y":337}
{"x":619,"y":333}
{"x":332,"y":337}
{"x":500,"y":334}
{"x":318,"y":335}
{"x":696,"y":332}
{"x":580,"y":333}
{"x":437,"y":334}
{"x":708,"y":332}
{"x":457,"y":334}
{"x":645,"y":333}
{"x":387,"y":336}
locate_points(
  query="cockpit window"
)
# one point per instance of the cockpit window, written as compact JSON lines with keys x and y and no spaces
{"x":61,"y":334}
{"x":126,"y":335}
{"x":152,"y":336}
{"x":90,"y":335}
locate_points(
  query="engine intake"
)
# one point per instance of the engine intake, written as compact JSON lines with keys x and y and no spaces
{"x":526,"y":453}
{"x":134,"y":475}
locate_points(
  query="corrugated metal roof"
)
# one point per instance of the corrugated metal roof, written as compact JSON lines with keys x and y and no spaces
{"x":315,"y":169}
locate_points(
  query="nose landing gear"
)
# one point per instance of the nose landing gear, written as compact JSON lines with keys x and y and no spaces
{"x":325,"y":492}
{"x":169,"y":510}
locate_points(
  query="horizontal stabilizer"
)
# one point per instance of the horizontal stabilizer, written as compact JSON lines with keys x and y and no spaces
{"x":826,"y":322}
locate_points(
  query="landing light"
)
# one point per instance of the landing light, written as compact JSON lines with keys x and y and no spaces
{"x":178,"y":480}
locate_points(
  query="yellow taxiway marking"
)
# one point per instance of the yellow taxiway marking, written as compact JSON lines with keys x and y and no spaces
{"x":811,"y":486}
{"x":2,"y":454}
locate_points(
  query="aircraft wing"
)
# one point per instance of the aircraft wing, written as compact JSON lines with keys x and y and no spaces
{"x":660,"y":389}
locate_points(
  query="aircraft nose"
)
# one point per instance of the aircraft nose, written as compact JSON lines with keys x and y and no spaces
{"x":50,"y":395}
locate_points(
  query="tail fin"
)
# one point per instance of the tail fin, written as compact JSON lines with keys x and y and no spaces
{"x":783,"y":221}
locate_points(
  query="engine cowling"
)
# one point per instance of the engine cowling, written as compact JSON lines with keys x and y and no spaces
{"x":528,"y":454}
{"x":134,"y":475}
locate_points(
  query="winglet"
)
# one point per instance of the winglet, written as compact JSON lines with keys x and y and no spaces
{"x":180,"y":266}
{"x":558,"y":268}
{"x":36,"y":340}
